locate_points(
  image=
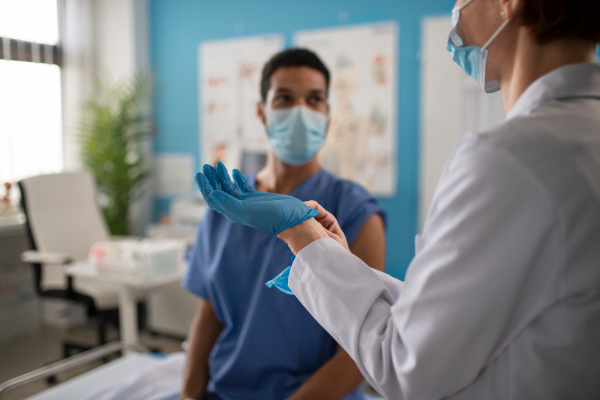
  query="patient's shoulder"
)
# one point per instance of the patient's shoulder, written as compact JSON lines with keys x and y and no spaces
{"x":337,"y":184}
{"x":351,"y":203}
{"x":345,"y":191}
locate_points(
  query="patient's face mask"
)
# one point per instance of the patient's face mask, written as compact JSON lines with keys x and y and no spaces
{"x":297,"y":134}
{"x":472,"y":59}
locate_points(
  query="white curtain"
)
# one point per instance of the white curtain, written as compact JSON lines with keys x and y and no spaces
{"x":40,"y":103}
{"x":30,"y":120}
{"x":78,"y":70}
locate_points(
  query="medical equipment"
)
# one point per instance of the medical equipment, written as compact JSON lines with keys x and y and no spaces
{"x":144,"y":259}
{"x":297,"y":133}
{"x":269,"y":212}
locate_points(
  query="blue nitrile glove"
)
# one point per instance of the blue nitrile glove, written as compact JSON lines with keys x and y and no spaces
{"x":281,"y":280}
{"x":269,"y":212}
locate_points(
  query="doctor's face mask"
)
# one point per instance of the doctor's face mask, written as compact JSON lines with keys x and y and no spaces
{"x":297,"y":133}
{"x":472,"y":59}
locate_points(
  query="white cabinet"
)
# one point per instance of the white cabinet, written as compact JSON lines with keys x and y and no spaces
{"x":171,"y":310}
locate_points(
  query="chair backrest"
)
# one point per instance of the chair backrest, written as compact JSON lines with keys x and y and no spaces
{"x":62,"y":214}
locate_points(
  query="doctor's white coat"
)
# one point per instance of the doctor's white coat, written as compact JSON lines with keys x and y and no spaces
{"x":502,"y":300}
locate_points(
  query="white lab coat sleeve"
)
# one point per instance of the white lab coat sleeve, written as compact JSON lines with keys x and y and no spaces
{"x":354,"y":311}
{"x":393,"y":285}
{"x":492,"y":244}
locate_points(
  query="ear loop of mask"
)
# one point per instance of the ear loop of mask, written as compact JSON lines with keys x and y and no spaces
{"x":490,"y":86}
{"x":495,"y":35}
{"x":464,"y":5}
{"x":500,"y":29}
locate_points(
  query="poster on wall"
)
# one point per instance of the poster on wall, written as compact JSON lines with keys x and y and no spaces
{"x":229,"y":77}
{"x":361,"y":141}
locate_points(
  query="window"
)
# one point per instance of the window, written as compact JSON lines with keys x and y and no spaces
{"x":30,"y":89}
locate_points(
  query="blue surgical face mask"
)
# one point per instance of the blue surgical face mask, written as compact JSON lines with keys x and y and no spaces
{"x":296,"y":134}
{"x":472,"y":59}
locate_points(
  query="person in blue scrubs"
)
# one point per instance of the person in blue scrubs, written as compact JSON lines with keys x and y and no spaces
{"x":248,"y":341}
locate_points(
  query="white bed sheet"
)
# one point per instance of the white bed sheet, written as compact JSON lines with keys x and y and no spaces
{"x":128,"y":377}
{"x":133,"y":377}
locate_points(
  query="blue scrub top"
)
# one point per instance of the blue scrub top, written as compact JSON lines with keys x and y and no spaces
{"x":270,"y":344}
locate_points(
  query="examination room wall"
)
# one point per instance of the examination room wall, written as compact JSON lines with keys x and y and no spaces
{"x":178,"y":27}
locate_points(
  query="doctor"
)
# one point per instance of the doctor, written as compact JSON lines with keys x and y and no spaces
{"x":502,"y":300}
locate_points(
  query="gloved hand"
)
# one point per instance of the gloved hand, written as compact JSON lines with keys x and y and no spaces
{"x":269,"y":212}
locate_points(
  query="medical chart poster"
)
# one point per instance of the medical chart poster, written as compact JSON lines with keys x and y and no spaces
{"x":362,"y":136}
{"x":229,"y":84}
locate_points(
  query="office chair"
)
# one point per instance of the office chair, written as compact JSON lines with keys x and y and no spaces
{"x":63,"y":221}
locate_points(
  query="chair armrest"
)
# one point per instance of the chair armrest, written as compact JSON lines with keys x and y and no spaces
{"x":43,"y":257}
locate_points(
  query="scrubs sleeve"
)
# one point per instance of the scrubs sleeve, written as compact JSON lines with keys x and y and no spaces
{"x":354,"y":205}
{"x":195,"y":280}
{"x":494,"y":243}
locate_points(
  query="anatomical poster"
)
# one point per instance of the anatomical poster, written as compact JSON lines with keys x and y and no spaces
{"x":229,"y":80}
{"x":361,"y":141}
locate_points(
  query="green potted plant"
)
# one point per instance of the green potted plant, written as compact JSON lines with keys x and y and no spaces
{"x":115,"y":125}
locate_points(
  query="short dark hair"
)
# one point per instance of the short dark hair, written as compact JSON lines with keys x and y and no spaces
{"x":290,"y":58}
{"x":551,"y":20}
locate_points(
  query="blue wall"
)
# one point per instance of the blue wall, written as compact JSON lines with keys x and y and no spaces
{"x":177,"y":27}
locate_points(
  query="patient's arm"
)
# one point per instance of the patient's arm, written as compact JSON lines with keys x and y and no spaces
{"x":340,"y":375}
{"x":204,"y":331}
{"x":334,"y":380}
{"x":369,"y":244}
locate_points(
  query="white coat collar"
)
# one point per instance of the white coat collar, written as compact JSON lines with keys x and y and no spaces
{"x":576,"y":80}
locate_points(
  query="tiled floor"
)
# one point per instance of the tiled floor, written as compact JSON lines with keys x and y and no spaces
{"x":28,"y":353}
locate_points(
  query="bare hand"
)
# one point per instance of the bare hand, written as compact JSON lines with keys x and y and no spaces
{"x":329,"y":222}
{"x":321,"y":226}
